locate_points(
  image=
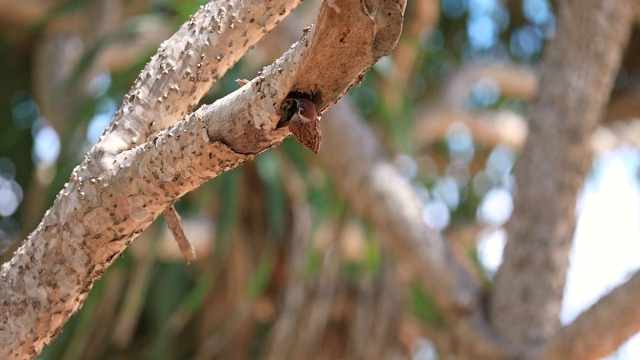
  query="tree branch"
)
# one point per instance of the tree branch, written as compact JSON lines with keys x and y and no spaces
{"x":601,"y":329}
{"x":121,"y":187}
{"x":580,"y":66}
{"x":376,"y":190}
{"x":187,"y":64}
{"x":514,"y":81}
{"x":175,"y":226}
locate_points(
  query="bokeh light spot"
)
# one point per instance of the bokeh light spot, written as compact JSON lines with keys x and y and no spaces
{"x":537,"y":11}
{"x":496,"y":207}
{"x":454,"y":9}
{"x":10,"y":196}
{"x":46,"y":146}
{"x":436,"y":215}
{"x":24,"y":110}
{"x":482,"y":32}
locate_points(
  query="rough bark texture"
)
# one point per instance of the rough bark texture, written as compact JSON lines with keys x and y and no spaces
{"x":187,"y":64}
{"x":579,"y":68}
{"x":131,"y":176}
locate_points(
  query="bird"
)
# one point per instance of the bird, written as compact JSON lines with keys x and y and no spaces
{"x":305,"y":124}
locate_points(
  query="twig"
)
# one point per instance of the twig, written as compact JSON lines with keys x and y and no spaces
{"x":175,"y":226}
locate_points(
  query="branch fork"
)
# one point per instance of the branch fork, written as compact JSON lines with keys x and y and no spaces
{"x":148,"y":157}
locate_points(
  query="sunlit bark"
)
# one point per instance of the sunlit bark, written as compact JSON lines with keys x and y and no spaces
{"x":146,"y":161}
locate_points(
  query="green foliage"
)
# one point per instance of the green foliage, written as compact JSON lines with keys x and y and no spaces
{"x":424,"y":307}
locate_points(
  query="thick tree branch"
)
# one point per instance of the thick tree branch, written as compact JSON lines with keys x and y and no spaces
{"x":601,"y":329}
{"x":579,"y":67}
{"x":114,"y":194}
{"x":374,"y":188}
{"x":187,"y":64}
{"x":618,"y":125}
{"x":512,"y":80}
{"x":489,"y":128}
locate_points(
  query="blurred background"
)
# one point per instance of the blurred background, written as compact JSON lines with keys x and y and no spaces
{"x":285,"y":268}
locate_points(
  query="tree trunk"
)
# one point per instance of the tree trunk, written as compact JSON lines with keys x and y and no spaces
{"x":580,"y":65}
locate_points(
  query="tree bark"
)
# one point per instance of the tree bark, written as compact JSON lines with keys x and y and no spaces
{"x":580,"y":65}
{"x":139,"y":167}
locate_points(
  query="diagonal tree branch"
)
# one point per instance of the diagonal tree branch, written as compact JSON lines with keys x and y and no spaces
{"x":579,"y":68}
{"x":186,"y":65}
{"x":601,"y":329}
{"x":375,"y":189}
{"x":121,"y":187}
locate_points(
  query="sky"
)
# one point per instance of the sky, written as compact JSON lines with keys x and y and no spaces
{"x":606,"y":249}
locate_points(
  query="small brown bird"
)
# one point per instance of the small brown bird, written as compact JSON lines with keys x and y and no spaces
{"x":305,"y":125}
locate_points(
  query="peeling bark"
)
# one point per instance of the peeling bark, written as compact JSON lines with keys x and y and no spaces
{"x":580,"y":65}
{"x":138,"y":168}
